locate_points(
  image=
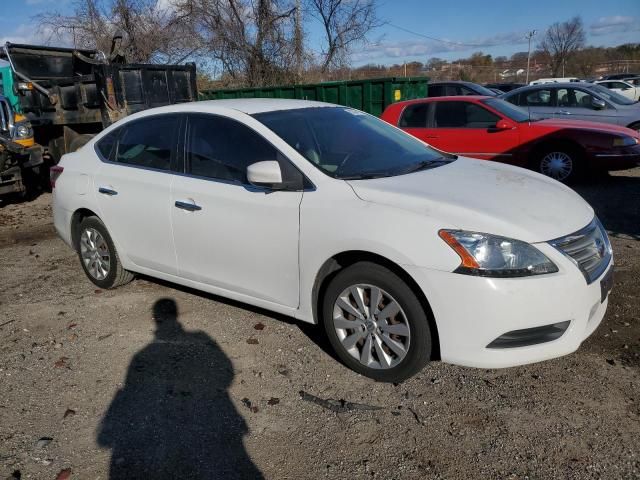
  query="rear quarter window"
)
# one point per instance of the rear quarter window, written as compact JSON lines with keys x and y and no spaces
{"x":105,"y":146}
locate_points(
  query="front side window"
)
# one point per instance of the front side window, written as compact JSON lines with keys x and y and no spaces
{"x":463,"y":115}
{"x":149,"y":142}
{"x":221,"y":148}
{"x":349,"y":144}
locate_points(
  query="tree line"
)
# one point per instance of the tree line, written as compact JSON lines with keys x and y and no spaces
{"x":267,"y":42}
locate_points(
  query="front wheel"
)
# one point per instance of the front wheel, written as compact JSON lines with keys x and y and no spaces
{"x":560,"y":163}
{"x":375,"y":323}
{"x":98,"y":255}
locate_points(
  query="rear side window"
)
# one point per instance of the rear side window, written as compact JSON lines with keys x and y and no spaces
{"x":150,"y":142}
{"x":536,"y":98}
{"x":436,"y":91}
{"x":222,"y":148}
{"x":106,"y":144}
{"x":414,"y":116}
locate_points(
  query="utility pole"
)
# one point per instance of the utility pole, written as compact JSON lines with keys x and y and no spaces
{"x":529,"y":36}
{"x":298,"y":47}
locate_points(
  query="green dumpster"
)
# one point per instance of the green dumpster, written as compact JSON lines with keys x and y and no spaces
{"x":371,"y":95}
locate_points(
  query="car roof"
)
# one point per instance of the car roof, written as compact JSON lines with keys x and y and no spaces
{"x":454,"y":98}
{"x":457,"y":82}
{"x":249,"y":106}
{"x":541,"y":86}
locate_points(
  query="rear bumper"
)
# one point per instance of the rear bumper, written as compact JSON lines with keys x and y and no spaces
{"x":473,"y":313}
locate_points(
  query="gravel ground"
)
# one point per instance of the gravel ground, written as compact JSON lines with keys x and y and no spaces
{"x":199,"y":387}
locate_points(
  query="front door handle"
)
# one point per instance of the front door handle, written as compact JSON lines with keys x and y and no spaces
{"x":431,"y":136}
{"x":563,"y":112}
{"x":191,"y":207}
{"x":107,"y":191}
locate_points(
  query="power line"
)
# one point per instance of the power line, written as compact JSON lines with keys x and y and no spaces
{"x":476,"y":45}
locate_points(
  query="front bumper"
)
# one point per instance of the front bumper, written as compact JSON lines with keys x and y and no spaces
{"x":472,"y":312}
{"x":619,"y":159}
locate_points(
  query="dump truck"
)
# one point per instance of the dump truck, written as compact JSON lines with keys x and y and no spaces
{"x":371,"y":95}
{"x":62,"y":97}
{"x":21,"y":159}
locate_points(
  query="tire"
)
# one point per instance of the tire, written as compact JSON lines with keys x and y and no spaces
{"x":560,"y":162}
{"x":382,"y":363}
{"x":98,"y":255}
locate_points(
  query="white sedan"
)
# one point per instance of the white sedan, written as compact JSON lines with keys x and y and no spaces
{"x":622,"y":87}
{"x":402,"y":252}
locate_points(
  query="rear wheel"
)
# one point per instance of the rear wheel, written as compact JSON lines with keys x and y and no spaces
{"x":562,"y":163}
{"x":375,"y":323}
{"x":98,"y":255}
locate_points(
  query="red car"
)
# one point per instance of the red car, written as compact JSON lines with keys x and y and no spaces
{"x":490,"y":128}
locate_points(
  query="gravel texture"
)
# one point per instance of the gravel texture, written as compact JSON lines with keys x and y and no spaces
{"x":156,"y":381}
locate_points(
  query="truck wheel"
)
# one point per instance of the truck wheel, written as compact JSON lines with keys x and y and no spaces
{"x":98,"y":255}
{"x":561,"y":162}
{"x":375,"y":323}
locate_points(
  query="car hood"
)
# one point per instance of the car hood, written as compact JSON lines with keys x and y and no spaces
{"x":483,"y":196}
{"x":582,"y":124}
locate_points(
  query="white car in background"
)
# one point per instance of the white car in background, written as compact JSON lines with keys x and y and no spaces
{"x":622,"y":87}
{"x":332,"y":216}
{"x":542,"y":81}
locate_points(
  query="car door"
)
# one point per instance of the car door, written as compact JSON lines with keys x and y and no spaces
{"x":133,"y":188}
{"x":468,"y":128}
{"x":228,"y":233}
{"x":577,"y":104}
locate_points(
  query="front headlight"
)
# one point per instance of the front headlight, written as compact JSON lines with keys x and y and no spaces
{"x":625,"y":142}
{"x":23,"y":131}
{"x":493,"y":256}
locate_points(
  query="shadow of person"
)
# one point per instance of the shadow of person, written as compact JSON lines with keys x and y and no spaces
{"x":173,"y":418}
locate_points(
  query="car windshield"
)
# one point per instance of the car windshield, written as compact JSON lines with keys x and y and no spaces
{"x":508,"y":109}
{"x":611,"y":96}
{"x":348,"y":144}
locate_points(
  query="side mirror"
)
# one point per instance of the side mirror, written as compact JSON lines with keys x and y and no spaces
{"x":598,"y":104}
{"x":265,"y":174}
{"x":501,"y":125}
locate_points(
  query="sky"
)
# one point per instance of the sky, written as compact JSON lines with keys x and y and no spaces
{"x":494,"y":27}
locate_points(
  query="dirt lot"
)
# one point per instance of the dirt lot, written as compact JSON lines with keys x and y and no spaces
{"x":199,"y":387}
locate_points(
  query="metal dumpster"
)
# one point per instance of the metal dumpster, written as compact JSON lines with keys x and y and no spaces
{"x":371,"y":95}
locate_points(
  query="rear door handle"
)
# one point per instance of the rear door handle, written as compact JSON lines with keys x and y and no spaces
{"x":563,"y":112}
{"x":107,"y":191}
{"x":191,"y":207}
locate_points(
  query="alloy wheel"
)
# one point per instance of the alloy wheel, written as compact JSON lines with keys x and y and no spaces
{"x":95,"y":253}
{"x":371,"y":326}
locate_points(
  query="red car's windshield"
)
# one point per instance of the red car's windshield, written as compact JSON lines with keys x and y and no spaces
{"x":507,"y":109}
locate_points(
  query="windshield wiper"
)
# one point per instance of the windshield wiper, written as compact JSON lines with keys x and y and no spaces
{"x":365,"y":176}
{"x":423,"y":165}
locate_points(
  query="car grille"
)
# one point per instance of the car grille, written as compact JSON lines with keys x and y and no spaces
{"x":589,"y":248}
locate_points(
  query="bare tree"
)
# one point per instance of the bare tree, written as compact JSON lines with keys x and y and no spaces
{"x":560,"y":42}
{"x":151,"y":32}
{"x":254,"y":41}
{"x":346,"y":23}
